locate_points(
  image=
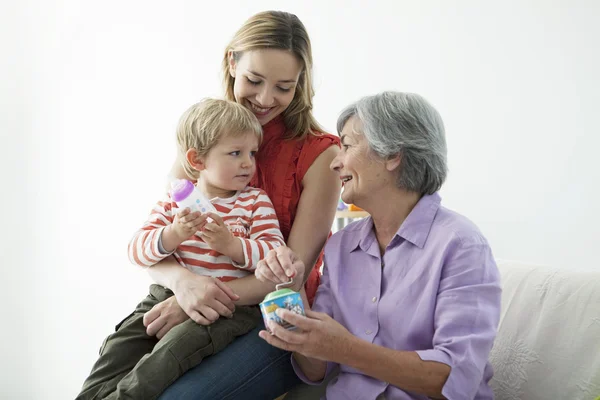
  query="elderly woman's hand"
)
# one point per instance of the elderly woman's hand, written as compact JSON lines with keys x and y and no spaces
{"x":279,"y":266}
{"x":317,"y":335}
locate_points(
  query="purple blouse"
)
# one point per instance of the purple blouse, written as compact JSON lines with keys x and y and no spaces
{"x":435,"y":291}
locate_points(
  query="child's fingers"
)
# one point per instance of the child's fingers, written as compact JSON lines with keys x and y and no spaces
{"x":192,"y":226}
{"x":211,"y":227}
{"x":186,"y":218}
{"x":183,"y":213}
{"x":199,"y":221}
{"x":192,"y":217}
{"x":206,"y":235}
{"x":216,"y":218}
{"x":201,"y":225}
{"x":195,"y":215}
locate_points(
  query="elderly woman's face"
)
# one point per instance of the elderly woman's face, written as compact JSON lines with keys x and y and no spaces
{"x":362,"y":173}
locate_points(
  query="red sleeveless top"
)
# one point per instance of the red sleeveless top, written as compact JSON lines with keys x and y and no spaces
{"x":280,"y":167}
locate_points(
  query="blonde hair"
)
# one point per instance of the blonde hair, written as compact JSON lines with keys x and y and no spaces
{"x":283,"y":31}
{"x":204,"y":123}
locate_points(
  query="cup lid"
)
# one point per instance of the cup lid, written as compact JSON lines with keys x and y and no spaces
{"x":278,"y":293}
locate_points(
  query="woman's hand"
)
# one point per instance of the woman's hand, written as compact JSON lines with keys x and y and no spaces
{"x":279,"y":266}
{"x":204,"y":299}
{"x":164,"y":316}
{"x":317,"y":335}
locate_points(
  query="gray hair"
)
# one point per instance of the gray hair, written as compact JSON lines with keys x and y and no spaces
{"x":404,"y":124}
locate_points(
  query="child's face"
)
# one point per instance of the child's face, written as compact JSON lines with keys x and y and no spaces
{"x":229,"y":166}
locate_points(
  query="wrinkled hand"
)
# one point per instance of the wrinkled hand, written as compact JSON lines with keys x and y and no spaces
{"x":317,"y":335}
{"x":204,"y":299}
{"x":279,"y":266}
{"x":164,"y":316}
{"x":186,"y":223}
{"x":217,"y":235}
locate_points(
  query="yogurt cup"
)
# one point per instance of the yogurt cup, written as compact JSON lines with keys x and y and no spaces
{"x":283,"y":298}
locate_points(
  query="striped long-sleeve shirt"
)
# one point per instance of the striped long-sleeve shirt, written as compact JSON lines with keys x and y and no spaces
{"x":250,"y":217}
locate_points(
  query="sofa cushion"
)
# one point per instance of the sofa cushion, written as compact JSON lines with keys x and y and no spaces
{"x":548,"y":343}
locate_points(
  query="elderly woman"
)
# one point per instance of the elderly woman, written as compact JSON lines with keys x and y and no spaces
{"x":409,"y":301}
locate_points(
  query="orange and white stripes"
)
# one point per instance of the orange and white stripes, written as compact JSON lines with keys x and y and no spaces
{"x":249,"y":215}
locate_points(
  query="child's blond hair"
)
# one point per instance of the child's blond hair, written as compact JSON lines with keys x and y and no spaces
{"x":204,"y":123}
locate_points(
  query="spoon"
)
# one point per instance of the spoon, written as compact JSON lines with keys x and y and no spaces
{"x":284,"y":284}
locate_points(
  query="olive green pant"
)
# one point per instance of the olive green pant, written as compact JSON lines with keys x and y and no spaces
{"x":133,"y":365}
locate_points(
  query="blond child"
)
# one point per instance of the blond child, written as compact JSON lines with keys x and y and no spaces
{"x":217,"y":140}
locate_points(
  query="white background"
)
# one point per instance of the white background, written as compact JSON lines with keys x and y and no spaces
{"x":91,"y":92}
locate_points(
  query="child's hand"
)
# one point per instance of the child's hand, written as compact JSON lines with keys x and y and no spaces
{"x":218,"y":236}
{"x":186,"y":223}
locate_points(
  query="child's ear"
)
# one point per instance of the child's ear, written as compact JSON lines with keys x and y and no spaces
{"x":231,"y":59}
{"x":195,"y":160}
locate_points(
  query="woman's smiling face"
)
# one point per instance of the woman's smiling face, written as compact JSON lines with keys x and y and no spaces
{"x":362,"y":173}
{"x":265,"y":81}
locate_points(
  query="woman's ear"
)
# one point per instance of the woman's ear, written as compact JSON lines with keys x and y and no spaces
{"x":195,"y":160}
{"x":231,"y":58}
{"x":393,"y":162}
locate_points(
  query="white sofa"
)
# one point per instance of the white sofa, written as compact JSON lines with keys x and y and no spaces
{"x":548,"y":343}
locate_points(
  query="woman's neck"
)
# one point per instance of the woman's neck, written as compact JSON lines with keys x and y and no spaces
{"x":275,"y":127}
{"x":389,"y":210}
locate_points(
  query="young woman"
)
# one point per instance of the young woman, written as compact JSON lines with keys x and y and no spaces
{"x":267,"y":67}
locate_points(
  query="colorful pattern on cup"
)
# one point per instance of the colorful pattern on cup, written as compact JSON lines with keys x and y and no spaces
{"x":284,"y":298}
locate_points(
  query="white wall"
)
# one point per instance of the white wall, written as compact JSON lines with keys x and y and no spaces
{"x":91,"y":92}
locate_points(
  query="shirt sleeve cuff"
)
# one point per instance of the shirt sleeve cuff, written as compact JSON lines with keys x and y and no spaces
{"x":159,"y":244}
{"x":246,"y":263}
{"x":456,"y":384}
{"x":435,"y":355}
